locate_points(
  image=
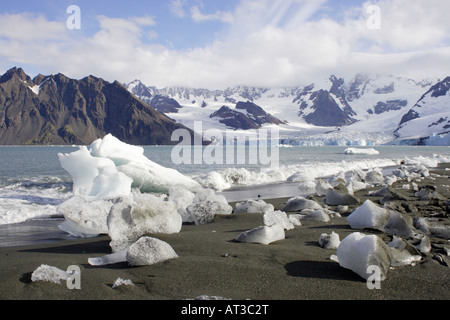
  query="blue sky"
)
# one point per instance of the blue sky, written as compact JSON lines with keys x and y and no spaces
{"x":219,"y":43}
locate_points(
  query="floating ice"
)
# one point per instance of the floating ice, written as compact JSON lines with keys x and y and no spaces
{"x":132,"y":217}
{"x":253,"y":206}
{"x":329,"y":241}
{"x":299,"y":203}
{"x":263,"y":235}
{"x":93,"y":176}
{"x":358,"y":252}
{"x":49,"y":274}
{"x":369,"y":215}
{"x":364,"y":151}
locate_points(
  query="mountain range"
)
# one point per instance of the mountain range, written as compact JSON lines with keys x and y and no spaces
{"x":58,"y":110}
{"x":364,"y":110}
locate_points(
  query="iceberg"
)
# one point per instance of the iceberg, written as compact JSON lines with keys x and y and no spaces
{"x":358,"y":252}
{"x":363,"y":151}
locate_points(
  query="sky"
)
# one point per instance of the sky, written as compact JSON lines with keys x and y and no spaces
{"x":216,"y":44}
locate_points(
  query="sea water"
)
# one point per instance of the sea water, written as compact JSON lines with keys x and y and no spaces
{"x":33,"y":183}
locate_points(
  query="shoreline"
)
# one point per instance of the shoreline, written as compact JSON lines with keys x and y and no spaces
{"x":210,"y":262}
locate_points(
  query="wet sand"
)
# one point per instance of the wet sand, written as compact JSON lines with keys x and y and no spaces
{"x":212,"y":263}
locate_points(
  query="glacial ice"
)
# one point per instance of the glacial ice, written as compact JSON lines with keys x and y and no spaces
{"x":145,"y":251}
{"x":271,"y":218}
{"x":299,"y":203}
{"x":364,"y":151}
{"x":369,"y":215}
{"x":402,"y":252}
{"x":253,"y":206}
{"x":335,"y":198}
{"x":132,"y":217}
{"x":358,"y":251}
{"x":49,"y":274}
{"x":263,"y":235}
{"x":329,"y":241}
{"x":149,"y":251}
{"x":206,"y":205}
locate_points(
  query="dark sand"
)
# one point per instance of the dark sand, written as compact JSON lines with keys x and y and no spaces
{"x":211,"y":263}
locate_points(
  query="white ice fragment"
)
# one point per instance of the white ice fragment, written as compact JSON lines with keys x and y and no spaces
{"x":307,"y":188}
{"x":322,"y":186}
{"x":253,"y":206}
{"x":49,"y":274}
{"x":375,"y":177}
{"x":116,"y":257}
{"x":402,"y":253}
{"x":335,"y":198}
{"x":363,"y":151}
{"x":302,"y":176}
{"x":277,"y":217}
{"x":329,"y":241}
{"x":358,"y":251}
{"x":132,"y":217}
{"x":299,"y":203}
{"x":369,"y":215}
{"x":425,"y":245}
{"x":121,"y":282}
{"x":263,"y":235}
{"x":149,"y":251}
{"x":314,"y":215}
{"x":206,"y":205}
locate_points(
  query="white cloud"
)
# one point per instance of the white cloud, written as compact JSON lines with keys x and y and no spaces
{"x":177,"y":7}
{"x":269,"y":43}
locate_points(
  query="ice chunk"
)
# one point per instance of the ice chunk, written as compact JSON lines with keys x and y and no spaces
{"x":399,"y":224}
{"x":402,"y":252}
{"x":358,"y":252}
{"x":299,"y":203}
{"x":116,"y":257}
{"x":147,"y":175}
{"x":132,"y":217}
{"x":369,"y":215}
{"x":425,"y":245}
{"x":314,"y":215}
{"x":322,"y":186}
{"x":148,"y":251}
{"x":182,"y":198}
{"x":206,"y":205}
{"x":263,"y":235}
{"x":374,"y":177}
{"x":253,"y":206}
{"x":302,"y":176}
{"x":329,"y":241}
{"x":84,"y":217}
{"x":121,"y":282}
{"x":277,"y":217}
{"x":307,"y":188}
{"x":335,"y":198}
{"x":364,"y":151}
{"x":49,"y":274}
{"x":94,"y":177}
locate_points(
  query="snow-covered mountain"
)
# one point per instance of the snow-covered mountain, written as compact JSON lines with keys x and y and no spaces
{"x":366,"y":110}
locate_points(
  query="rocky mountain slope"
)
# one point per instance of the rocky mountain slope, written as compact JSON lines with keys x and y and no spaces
{"x":58,"y":110}
{"x":364,"y":110}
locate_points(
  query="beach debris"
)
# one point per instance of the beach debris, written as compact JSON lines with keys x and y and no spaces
{"x":271,"y":218}
{"x":263,"y":235}
{"x":121,"y":282}
{"x":300,"y":203}
{"x":329,"y":241}
{"x":49,"y":274}
{"x":334,"y":198}
{"x":403,"y":253}
{"x":358,"y":252}
{"x":253,"y":206}
{"x":145,"y":251}
{"x":369,"y":215}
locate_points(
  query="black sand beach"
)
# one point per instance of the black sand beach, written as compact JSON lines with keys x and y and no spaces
{"x":212,"y":263}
